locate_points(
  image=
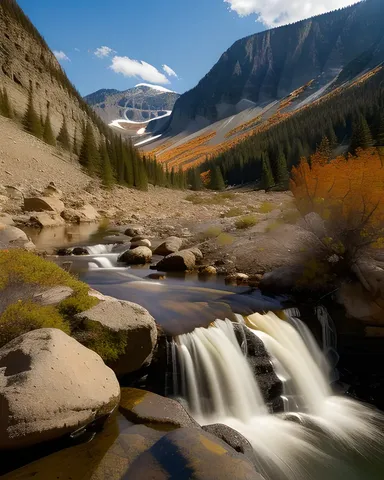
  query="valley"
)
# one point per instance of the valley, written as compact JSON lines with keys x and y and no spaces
{"x":191,"y":284}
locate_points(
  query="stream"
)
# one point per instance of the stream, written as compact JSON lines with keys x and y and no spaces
{"x":316,"y":436}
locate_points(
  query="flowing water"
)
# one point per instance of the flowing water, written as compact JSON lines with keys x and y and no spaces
{"x":319,"y":436}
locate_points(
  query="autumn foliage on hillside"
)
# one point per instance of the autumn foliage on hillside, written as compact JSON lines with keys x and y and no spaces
{"x":347,"y":193}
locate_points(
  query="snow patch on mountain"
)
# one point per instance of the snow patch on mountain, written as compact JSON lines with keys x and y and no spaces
{"x":155,"y":87}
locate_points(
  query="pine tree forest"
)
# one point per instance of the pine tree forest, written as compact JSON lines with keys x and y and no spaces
{"x":348,"y":121}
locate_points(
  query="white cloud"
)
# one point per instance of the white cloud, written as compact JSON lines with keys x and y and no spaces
{"x":103,"y":52}
{"x":61,"y":56}
{"x":169,"y":71}
{"x":77,"y":49}
{"x":279,"y":12}
{"x":136,"y":68}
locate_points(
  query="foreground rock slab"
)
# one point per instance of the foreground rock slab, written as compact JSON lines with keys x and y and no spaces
{"x":191,"y":453}
{"x":50,"y":386}
{"x":134,"y":325}
{"x":144,"y":407}
{"x":43,"y":204}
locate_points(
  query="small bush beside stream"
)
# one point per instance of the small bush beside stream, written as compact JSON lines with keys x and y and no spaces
{"x":24,"y":276}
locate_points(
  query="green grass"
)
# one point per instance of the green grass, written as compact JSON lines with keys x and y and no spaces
{"x":247,"y":221}
{"x":234,"y":212}
{"x":267,"y":207}
{"x":225,"y":239}
{"x":214,"y":199}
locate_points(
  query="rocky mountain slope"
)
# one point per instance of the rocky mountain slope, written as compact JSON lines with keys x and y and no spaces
{"x":268,"y":66}
{"x":27,"y":62}
{"x":139,"y":104}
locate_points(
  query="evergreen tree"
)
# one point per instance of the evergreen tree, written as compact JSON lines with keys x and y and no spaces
{"x":129,"y":160}
{"x":142,"y":177}
{"x":267,"y":180}
{"x":107,"y":174}
{"x":63,"y":137}
{"x":48,"y":135}
{"x":332,"y":138}
{"x":31,"y":121}
{"x":281,"y":170}
{"x":361,"y":135}
{"x":75,"y":148}
{"x":89,"y":156}
{"x":380,"y":132}
{"x":325,"y":148}
{"x":195,"y":180}
{"x":5,"y":106}
{"x":217,"y":180}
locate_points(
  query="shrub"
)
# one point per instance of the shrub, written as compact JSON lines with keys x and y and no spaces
{"x":267,"y":207}
{"x":106,"y":343}
{"x":23,"y":317}
{"x":234,"y":212}
{"x":247,"y":221}
{"x":213,"y":232}
{"x":225,"y":239}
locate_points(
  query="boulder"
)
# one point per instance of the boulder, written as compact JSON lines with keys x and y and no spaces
{"x":84,"y":214}
{"x":134,"y":230}
{"x":134,"y":325}
{"x":171,"y":245}
{"x":261,"y":365}
{"x":50,"y":386}
{"x":12,"y":237}
{"x":139,"y":406}
{"x":53,"y":296}
{"x":138,"y":238}
{"x":6,"y":219}
{"x":46,"y":219}
{"x":13,"y":193}
{"x":283,"y":280}
{"x":254,"y":280}
{"x":237,"y":279}
{"x":196,"y":252}
{"x":362,"y":304}
{"x":208,"y":271}
{"x":137,"y":256}
{"x":191,"y":453}
{"x":43,"y":204}
{"x":52,"y":191}
{"x":80,"y":251}
{"x":315,"y":224}
{"x":141,"y":243}
{"x":233,"y":438}
{"x":177,"y":262}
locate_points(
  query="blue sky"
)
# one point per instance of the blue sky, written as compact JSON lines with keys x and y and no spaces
{"x":188,"y":36}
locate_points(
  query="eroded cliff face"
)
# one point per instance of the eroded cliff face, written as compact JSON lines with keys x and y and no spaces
{"x":26,"y":60}
{"x":270,"y":65}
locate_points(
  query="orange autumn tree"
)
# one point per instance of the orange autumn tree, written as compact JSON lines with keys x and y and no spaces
{"x":348,"y":194}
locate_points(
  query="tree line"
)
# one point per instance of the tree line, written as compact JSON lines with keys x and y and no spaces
{"x":349,"y":120}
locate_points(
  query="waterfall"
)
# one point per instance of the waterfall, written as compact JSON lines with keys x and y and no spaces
{"x":320,"y":436}
{"x":100,"y":249}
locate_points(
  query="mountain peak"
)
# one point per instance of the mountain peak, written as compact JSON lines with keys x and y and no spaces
{"x":155,"y":87}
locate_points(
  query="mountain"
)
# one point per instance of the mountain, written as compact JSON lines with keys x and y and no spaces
{"x":28,"y":65}
{"x":268,"y":66}
{"x":268,"y":75}
{"x":139,"y":104}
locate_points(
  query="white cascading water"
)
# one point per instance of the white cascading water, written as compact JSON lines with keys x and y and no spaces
{"x":219,"y":386}
{"x":100,"y":249}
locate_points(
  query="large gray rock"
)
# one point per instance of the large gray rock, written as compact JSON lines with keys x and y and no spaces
{"x":177,"y":262}
{"x":233,"y":438}
{"x":197,"y":253}
{"x":141,"y":243}
{"x":283,"y":280}
{"x":140,"y":406}
{"x":171,"y":245}
{"x":134,"y":230}
{"x":50,"y":386}
{"x":137,"y":256}
{"x":46,"y":219}
{"x":191,"y":453}
{"x":12,"y":237}
{"x":6,"y":219}
{"x":53,"y":296}
{"x":43,"y":204}
{"x":135,"y":326}
{"x":84,"y":214}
